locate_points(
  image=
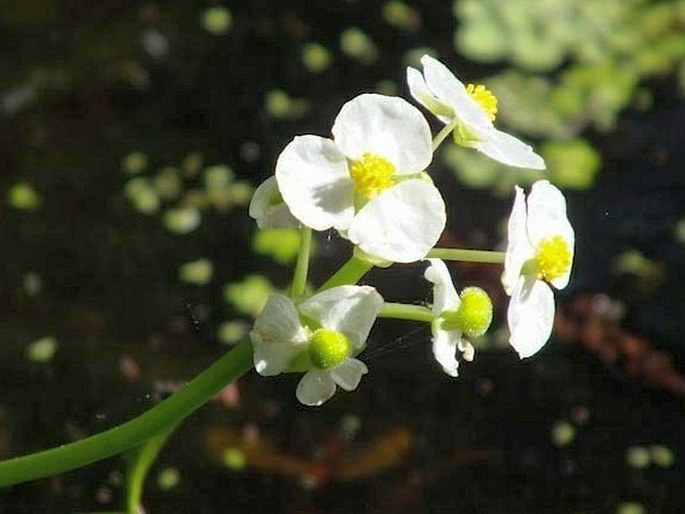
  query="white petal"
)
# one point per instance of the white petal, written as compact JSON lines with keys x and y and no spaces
{"x":314,"y":180}
{"x":530,"y":316}
{"x":468,"y":352}
{"x":547,"y":218}
{"x":386,"y":126}
{"x":445,"y":297}
{"x":266,"y":212}
{"x":507,"y":149}
{"x":448,"y":89}
{"x":422,"y":94}
{"x":402,"y":223}
{"x":349,"y":374}
{"x":351,"y":310}
{"x":445,"y":345}
{"x":277,"y":336}
{"x":547,"y":213}
{"x":519,"y":249}
{"x":315,"y":387}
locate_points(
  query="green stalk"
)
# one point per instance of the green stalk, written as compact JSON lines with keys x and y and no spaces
{"x":454,"y":254}
{"x":163,"y":416}
{"x":446,"y":131}
{"x":406,"y":311}
{"x":142,"y":461}
{"x":302,"y":266}
{"x":349,"y":273}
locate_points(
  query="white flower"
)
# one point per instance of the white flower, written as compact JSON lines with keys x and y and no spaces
{"x":540,"y":251}
{"x":472,"y":109}
{"x":338,"y":321}
{"x":268,"y":209}
{"x":366,"y":182}
{"x":446,"y":342}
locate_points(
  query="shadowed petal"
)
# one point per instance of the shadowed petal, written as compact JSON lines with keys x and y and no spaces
{"x":315,"y":183}
{"x":351,"y":310}
{"x":530,"y":316}
{"x":349,"y":374}
{"x":315,"y":387}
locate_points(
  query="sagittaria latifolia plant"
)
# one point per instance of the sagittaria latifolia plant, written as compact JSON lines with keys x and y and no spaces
{"x":369,"y":182}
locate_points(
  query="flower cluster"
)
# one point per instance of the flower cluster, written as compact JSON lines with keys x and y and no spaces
{"x":369,"y":183}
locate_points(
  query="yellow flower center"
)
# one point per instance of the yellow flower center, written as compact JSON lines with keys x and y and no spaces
{"x":553,"y":258}
{"x":484,"y":98}
{"x":371,"y":174}
{"x":328,"y":348}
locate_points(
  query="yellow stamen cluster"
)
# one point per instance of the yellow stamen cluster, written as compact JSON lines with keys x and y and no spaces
{"x":484,"y":98}
{"x":371,"y":174}
{"x":328,"y":348}
{"x":553,"y":258}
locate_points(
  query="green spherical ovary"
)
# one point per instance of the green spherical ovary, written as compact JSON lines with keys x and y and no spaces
{"x":475,"y":312}
{"x":328,"y":348}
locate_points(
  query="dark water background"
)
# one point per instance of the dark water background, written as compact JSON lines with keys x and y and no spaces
{"x":481,"y":443}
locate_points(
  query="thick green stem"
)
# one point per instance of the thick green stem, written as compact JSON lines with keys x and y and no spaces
{"x":133,"y":433}
{"x":446,"y":131}
{"x":349,"y":273}
{"x":302,"y":266}
{"x":142,"y":460}
{"x":454,"y":254}
{"x":406,"y":311}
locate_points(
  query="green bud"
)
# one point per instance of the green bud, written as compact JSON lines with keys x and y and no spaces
{"x":328,"y":348}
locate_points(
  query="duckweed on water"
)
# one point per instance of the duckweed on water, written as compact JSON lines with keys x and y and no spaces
{"x":249,"y":295}
{"x":575,"y":71}
{"x":42,"y":350}
{"x":22,"y":196}
{"x":217,"y":20}
{"x":198,"y":272}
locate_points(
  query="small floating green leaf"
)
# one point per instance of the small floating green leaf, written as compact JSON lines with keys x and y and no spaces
{"x":662,"y":456}
{"x":316,"y":57}
{"x":563,"y":433}
{"x":198,"y":272}
{"x":168,"y":183}
{"x":142,"y":195}
{"x":183,"y":220}
{"x":401,"y":15}
{"x":218,"y":176}
{"x":134,"y":163}
{"x":217,"y":20}
{"x":234,"y":459}
{"x":249,"y":295}
{"x":630,"y":508}
{"x":637,"y":457}
{"x":168,"y":478}
{"x":356,"y":44}
{"x":22,"y":196}
{"x":282,"y":245}
{"x":471,"y":169}
{"x":42,"y":350}
{"x":231,"y":332}
{"x":572,"y":164}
